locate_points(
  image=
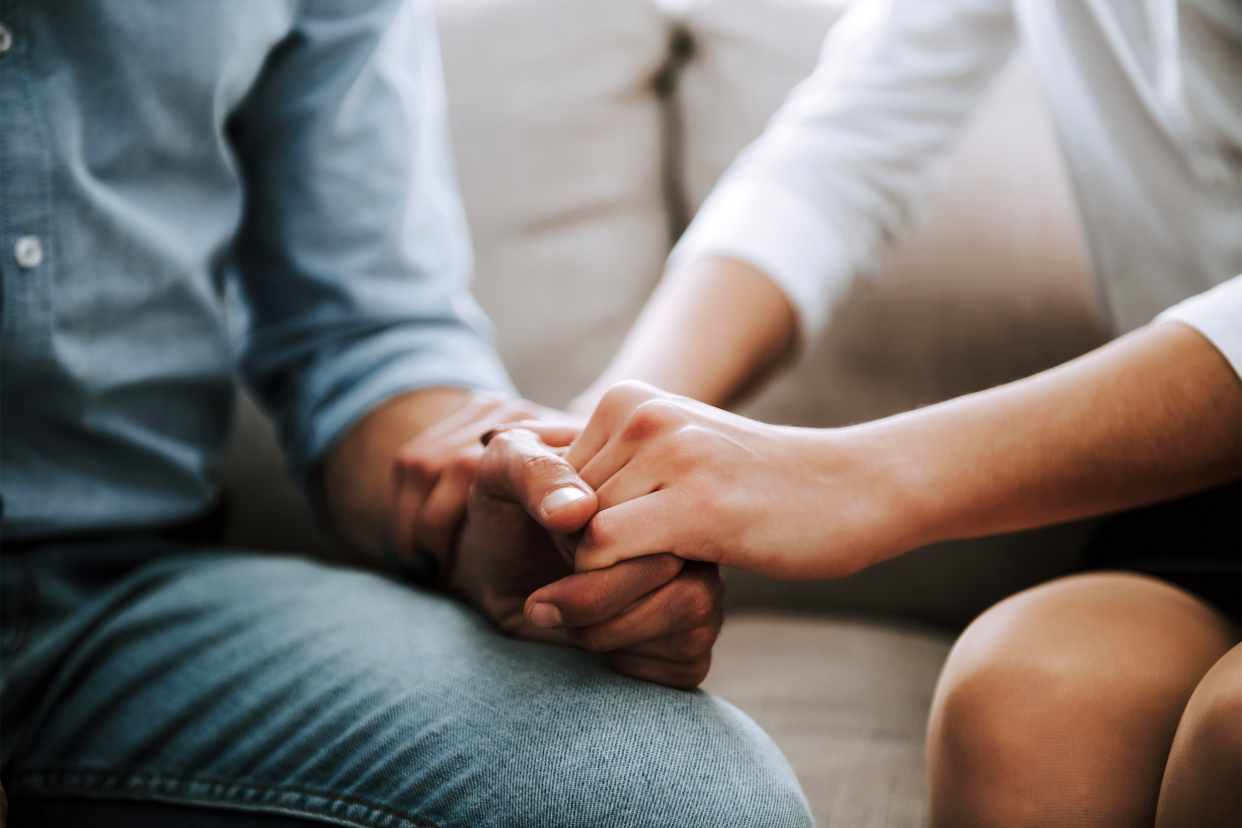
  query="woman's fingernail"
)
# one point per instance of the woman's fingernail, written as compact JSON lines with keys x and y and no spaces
{"x":563,"y":496}
{"x":546,"y":616}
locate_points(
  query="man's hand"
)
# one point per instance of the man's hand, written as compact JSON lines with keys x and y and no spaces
{"x":490,"y":526}
{"x":432,"y":473}
{"x":415,"y":503}
{"x":656,"y":617}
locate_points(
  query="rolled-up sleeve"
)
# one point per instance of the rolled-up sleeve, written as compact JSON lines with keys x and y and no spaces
{"x":836,"y":175}
{"x":353,"y":256}
{"x":1217,"y":314}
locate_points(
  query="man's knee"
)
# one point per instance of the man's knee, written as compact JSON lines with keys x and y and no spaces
{"x":660,"y":758}
{"x":736,"y":777}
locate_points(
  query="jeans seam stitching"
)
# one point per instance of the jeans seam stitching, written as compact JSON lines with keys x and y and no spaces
{"x":124,"y":776}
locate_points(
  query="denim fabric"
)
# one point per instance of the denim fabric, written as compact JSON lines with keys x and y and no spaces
{"x":113,"y":813}
{"x":268,"y":683}
{"x":167,"y":169}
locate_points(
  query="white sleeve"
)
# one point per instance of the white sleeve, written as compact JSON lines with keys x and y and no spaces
{"x":1217,"y":314}
{"x":836,"y":175}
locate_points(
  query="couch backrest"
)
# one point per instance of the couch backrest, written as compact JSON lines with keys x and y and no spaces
{"x":558,"y":134}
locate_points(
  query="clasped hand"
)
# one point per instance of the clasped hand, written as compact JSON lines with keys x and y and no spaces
{"x":673,"y":475}
{"x":502,"y":523}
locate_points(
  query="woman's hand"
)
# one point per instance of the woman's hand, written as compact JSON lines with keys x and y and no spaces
{"x":655,"y":617}
{"x":675,"y":475}
{"x":1149,"y":417}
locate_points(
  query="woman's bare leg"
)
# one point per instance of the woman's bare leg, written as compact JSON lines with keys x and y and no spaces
{"x":1058,"y":706}
{"x":1202,"y":785}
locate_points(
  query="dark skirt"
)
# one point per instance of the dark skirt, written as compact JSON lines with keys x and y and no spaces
{"x":1195,"y":543}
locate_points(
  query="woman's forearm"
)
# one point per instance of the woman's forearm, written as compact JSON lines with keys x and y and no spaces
{"x":1154,"y":415}
{"x":712,"y":329}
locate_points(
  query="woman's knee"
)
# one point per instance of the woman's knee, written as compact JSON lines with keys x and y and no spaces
{"x":1202,"y":784}
{"x":1046,"y":691}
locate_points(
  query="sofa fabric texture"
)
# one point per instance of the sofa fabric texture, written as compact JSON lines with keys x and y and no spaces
{"x":846,"y":700}
{"x":558,"y":136}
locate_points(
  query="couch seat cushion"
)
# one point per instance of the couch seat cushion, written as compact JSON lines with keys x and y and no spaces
{"x":847,"y":702}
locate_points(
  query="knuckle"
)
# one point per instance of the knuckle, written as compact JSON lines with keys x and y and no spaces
{"x":691,"y":445}
{"x":599,"y":533}
{"x":518,"y":410}
{"x":590,"y":640}
{"x":504,"y":442}
{"x":650,"y":418}
{"x":541,"y":467}
{"x":628,"y":393}
{"x":464,"y":466}
{"x":692,"y":646}
{"x":697,"y":673}
{"x":661,"y":568}
{"x":586,"y":598}
{"x":698,"y":603}
{"x":416,"y":464}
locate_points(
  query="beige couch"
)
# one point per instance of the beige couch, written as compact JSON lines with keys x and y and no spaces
{"x":586,"y":133}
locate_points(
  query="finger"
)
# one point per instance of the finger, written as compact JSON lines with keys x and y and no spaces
{"x":517,"y":466}
{"x":686,"y":647}
{"x":470,"y":418}
{"x":412,"y":481}
{"x":589,"y":598}
{"x":672,"y":622}
{"x":644,"y":473}
{"x":651,"y":430}
{"x":464,"y":427}
{"x":647,"y":525}
{"x":442,"y":510}
{"x":668,"y":673}
{"x":609,"y":418}
{"x":555,"y":434}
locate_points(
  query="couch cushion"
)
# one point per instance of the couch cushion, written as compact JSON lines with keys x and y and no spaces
{"x":558,"y":138}
{"x":846,"y":701}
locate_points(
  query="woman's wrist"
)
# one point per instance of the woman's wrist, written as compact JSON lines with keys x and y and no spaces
{"x":882,"y":490}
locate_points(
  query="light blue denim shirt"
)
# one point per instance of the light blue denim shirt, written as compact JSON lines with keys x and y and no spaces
{"x":156,"y":158}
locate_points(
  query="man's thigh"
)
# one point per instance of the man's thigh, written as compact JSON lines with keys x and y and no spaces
{"x":277,"y":684}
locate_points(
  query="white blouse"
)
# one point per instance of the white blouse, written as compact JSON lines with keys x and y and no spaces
{"x":1146,"y":96}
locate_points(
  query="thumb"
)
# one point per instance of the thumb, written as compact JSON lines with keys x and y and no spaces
{"x":519,"y":467}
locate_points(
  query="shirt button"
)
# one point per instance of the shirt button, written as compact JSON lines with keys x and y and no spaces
{"x":6,"y":38}
{"x":28,"y":251}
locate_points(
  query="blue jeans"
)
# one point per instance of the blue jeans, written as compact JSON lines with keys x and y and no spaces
{"x":251,"y":682}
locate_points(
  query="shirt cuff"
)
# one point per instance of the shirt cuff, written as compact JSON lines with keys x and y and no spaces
{"x":1217,"y":314}
{"x":782,"y":234}
{"x":341,"y":390}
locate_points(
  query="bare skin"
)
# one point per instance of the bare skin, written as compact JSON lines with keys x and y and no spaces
{"x":1151,"y":416}
{"x":1105,"y":699}
{"x":412,"y":474}
{"x":711,"y":331}
{"x":1119,"y":697}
